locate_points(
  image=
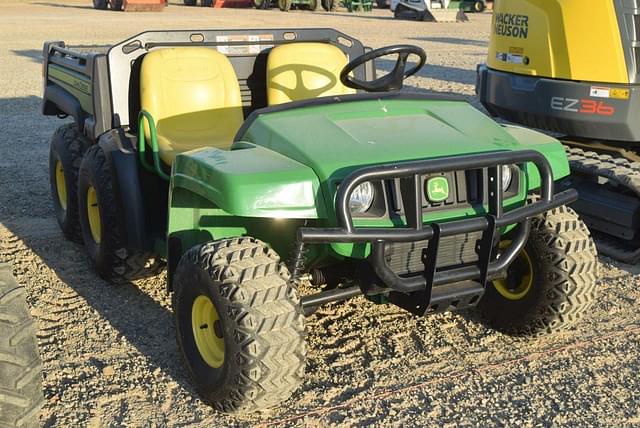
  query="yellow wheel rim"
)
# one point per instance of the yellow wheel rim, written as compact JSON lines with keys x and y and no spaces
{"x":207,"y":331}
{"x":61,"y":186}
{"x":93,"y":213}
{"x":519,"y":276}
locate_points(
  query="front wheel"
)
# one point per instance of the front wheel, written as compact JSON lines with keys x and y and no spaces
{"x":100,"y":4}
{"x":551,"y":284}
{"x":189,"y":2}
{"x":240,"y":326}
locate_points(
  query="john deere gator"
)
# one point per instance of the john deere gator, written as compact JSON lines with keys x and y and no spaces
{"x":249,"y":161}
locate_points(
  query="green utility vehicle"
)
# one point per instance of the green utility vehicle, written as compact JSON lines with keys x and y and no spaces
{"x":20,"y":365}
{"x":251,"y":160}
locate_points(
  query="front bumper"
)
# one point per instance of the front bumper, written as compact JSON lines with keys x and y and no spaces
{"x":489,"y":265}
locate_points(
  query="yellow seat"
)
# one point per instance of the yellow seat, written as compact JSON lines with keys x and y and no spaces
{"x":299,"y":71}
{"x":194,"y":98}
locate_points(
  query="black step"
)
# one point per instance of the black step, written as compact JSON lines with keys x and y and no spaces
{"x":458,"y":295}
{"x":449,"y":297}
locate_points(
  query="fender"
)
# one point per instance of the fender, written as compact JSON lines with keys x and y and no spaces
{"x":251,"y":181}
{"x":58,"y":101}
{"x":124,"y":176}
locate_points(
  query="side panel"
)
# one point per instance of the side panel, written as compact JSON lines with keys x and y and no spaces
{"x":579,"y":109}
{"x":564,"y":39}
{"x":76,"y":84}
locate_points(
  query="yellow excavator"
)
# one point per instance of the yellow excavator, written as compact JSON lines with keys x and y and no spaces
{"x":572,"y":67}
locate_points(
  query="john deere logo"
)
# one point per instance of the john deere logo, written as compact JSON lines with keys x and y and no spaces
{"x":437,"y":189}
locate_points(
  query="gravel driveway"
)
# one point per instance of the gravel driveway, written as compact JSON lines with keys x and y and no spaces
{"x":109,"y":352}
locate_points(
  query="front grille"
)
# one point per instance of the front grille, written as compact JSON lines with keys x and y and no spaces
{"x":406,"y":257}
{"x":465,"y":189}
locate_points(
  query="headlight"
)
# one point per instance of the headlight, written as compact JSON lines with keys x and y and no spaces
{"x":361,"y":198}
{"x":507,"y":176}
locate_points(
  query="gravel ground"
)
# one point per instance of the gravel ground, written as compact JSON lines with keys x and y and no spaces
{"x":109,"y":352}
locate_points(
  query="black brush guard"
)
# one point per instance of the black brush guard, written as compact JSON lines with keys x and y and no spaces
{"x":450,"y":288}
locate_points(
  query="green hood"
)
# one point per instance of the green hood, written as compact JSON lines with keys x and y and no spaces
{"x":335,"y":139}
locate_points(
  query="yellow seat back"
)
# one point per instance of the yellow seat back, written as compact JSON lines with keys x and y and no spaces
{"x":299,"y":71}
{"x":194,"y":98}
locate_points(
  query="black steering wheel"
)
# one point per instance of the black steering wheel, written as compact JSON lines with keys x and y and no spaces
{"x":393,"y":80}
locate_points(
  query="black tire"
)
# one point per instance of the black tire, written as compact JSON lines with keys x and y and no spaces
{"x":20,"y":364}
{"x":397,"y":13}
{"x":190,"y":2}
{"x":564,"y":268}
{"x":100,"y":4}
{"x":116,"y":5}
{"x":382,"y":4}
{"x":478,"y":7}
{"x":108,"y":252}
{"x":329,"y":5}
{"x":262,"y":4}
{"x":284,"y":5}
{"x":260,"y":323}
{"x":65,"y":155}
{"x":206,"y":3}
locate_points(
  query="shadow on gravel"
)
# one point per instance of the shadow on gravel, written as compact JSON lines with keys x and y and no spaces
{"x":355,"y":15}
{"x":434,"y":71}
{"x":73,"y":6}
{"x":136,"y":317}
{"x":33,"y":54}
{"x":453,"y":41}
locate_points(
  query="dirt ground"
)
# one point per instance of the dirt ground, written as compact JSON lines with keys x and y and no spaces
{"x":109,"y":352}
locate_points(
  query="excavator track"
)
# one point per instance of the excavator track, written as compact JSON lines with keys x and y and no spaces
{"x":620,"y":170}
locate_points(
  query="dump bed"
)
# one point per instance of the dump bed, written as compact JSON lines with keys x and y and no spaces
{"x":98,"y":86}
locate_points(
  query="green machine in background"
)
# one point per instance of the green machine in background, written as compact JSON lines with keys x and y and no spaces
{"x":282,"y":157}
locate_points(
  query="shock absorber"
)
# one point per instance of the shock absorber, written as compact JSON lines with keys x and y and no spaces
{"x":297,"y":266}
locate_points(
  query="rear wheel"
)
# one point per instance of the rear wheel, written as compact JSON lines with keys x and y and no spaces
{"x":189,"y":2}
{"x":551,"y":284}
{"x":207,"y":3}
{"x":20,"y":364}
{"x":478,"y":7}
{"x":284,"y":5}
{"x":116,"y":5}
{"x":65,"y":155}
{"x":382,"y":4}
{"x":99,"y":223}
{"x":240,"y":326}
{"x":100,"y":4}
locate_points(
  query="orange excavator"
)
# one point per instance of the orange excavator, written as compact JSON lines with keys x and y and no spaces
{"x":131,"y":5}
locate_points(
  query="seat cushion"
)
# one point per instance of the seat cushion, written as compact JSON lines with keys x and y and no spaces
{"x":194,"y":98}
{"x":299,"y":71}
